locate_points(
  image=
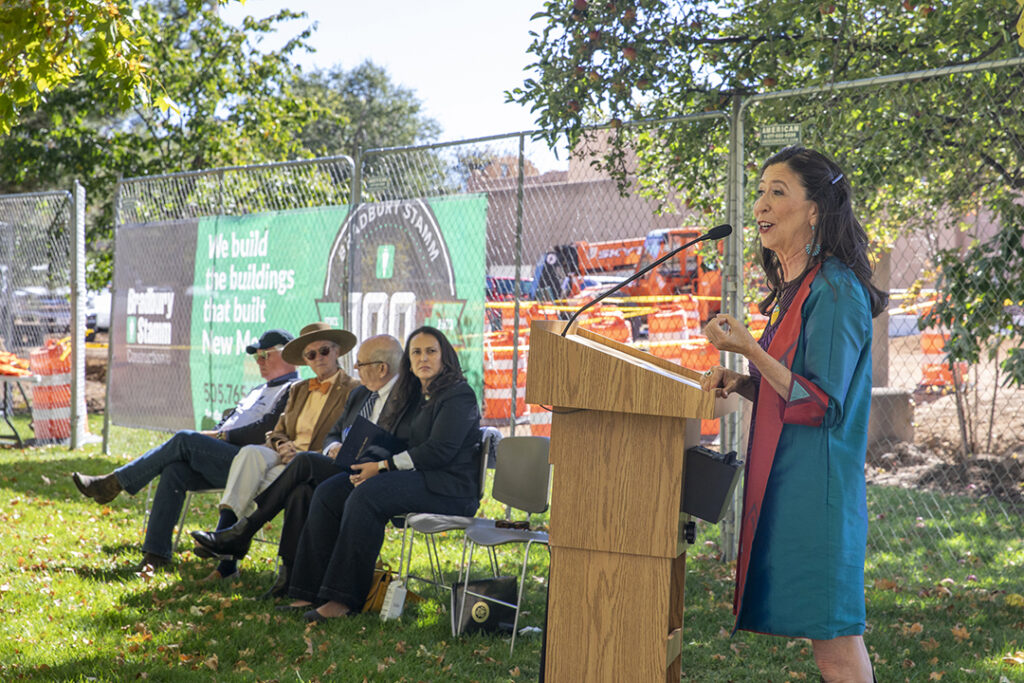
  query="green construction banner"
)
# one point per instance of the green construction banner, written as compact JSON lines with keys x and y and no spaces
{"x":385,"y":267}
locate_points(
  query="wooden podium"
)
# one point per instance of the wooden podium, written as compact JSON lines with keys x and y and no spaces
{"x":622,"y":422}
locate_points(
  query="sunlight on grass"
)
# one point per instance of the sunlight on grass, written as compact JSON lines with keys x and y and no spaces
{"x":940,"y":600}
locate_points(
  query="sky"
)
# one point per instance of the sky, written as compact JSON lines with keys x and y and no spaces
{"x":458,"y":56}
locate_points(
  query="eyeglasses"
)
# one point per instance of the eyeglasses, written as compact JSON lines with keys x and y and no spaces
{"x":508,"y":523}
{"x":264,"y":354}
{"x":359,"y":366}
{"x":312,"y":353}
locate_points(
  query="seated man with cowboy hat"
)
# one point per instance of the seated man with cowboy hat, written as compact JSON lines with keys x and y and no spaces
{"x":313,"y":407}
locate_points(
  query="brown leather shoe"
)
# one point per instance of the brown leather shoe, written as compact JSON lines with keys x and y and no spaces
{"x":102,"y":489}
{"x":152,"y":561}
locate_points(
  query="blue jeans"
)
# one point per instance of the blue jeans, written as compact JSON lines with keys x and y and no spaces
{"x":345,"y":530}
{"x":188,"y":461}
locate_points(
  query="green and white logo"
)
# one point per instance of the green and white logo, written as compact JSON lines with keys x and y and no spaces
{"x":385,"y":261}
{"x":129,"y":329}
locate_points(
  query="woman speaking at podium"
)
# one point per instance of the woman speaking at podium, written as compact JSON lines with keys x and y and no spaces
{"x":800,"y":571}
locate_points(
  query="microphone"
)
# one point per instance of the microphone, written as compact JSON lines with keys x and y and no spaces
{"x":715,"y":233}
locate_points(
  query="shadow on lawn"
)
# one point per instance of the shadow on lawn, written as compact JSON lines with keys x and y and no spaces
{"x":30,"y":476}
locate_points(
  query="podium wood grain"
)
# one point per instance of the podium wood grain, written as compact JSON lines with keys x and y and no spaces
{"x":623,"y":635}
{"x":618,"y":481}
{"x":622,"y":422}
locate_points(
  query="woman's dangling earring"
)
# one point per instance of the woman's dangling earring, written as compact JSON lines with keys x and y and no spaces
{"x":817,"y":247}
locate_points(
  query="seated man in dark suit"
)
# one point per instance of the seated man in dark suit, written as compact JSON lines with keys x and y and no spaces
{"x":199,"y":460}
{"x":377,"y":361}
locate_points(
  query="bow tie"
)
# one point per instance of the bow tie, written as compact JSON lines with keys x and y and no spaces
{"x":317,"y":385}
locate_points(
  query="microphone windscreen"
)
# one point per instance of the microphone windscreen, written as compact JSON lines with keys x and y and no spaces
{"x":718,"y":232}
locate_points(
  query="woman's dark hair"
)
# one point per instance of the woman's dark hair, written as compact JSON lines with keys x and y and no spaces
{"x":451,"y":369}
{"x":837,"y":232}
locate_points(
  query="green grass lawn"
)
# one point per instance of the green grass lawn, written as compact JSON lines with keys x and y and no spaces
{"x":74,"y":610}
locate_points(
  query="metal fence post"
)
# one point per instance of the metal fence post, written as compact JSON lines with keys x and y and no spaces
{"x":78,"y":414}
{"x":517,"y":286}
{"x":111,"y":329}
{"x":732,"y":303}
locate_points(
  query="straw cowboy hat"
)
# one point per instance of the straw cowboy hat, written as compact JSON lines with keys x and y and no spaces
{"x":292,"y":352}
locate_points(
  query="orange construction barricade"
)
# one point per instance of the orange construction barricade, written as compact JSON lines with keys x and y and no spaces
{"x":935,"y":369}
{"x":540,"y":421}
{"x":51,"y":398}
{"x":498,"y":381}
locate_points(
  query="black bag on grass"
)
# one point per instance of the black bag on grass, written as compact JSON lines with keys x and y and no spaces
{"x":484,"y":615}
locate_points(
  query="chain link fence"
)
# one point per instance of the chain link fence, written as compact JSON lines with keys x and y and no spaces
{"x":42,"y":316}
{"x":478,"y":238}
{"x":207,"y":261}
{"x":935,"y":159}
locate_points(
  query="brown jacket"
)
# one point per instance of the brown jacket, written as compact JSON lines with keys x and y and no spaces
{"x":332,"y":410}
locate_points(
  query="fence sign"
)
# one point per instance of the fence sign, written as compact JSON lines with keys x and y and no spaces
{"x":779,"y":135}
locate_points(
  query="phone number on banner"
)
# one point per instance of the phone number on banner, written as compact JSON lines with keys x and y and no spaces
{"x":223,"y":393}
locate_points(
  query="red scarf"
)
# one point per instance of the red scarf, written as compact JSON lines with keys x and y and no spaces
{"x":765,"y":439}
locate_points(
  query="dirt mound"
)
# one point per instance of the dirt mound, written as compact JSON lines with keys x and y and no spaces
{"x":943,"y":470}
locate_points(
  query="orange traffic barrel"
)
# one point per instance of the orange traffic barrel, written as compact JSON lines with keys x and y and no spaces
{"x":51,"y":398}
{"x":499,"y":383}
{"x":540,"y":421}
{"x":935,"y":368}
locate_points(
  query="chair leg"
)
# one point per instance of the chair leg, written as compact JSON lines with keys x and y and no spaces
{"x":181,"y":521}
{"x":147,"y":510}
{"x":405,"y":562}
{"x":434,"y":557}
{"x":467,"y":563}
{"x":519,"y":596}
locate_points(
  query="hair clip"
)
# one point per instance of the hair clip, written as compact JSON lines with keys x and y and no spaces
{"x":837,"y":178}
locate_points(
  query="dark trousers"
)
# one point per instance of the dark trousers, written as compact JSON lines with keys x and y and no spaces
{"x":345,"y":530}
{"x":188,"y":461}
{"x":292,"y":492}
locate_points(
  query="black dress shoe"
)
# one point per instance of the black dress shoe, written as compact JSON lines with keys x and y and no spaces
{"x":280,"y":587}
{"x":233,"y":541}
{"x":202,"y":551}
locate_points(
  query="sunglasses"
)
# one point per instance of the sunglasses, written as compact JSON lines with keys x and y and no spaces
{"x":360,"y":366}
{"x":264,"y":354}
{"x":312,"y":353}
{"x":509,"y":524}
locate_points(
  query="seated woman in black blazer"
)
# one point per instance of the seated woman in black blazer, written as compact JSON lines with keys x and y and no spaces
{"x":343,"y":535}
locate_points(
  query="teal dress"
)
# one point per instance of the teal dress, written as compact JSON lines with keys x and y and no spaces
{"x":804,"y":566}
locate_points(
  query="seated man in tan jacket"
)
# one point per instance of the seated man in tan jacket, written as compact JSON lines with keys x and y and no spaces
{"x":313,"y":407}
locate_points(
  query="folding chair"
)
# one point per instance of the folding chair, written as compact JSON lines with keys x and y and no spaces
{"x":430,"y":524}
{"x":522,"y":480}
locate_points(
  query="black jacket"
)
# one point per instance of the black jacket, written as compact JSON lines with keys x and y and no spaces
{"x":443,"y":432}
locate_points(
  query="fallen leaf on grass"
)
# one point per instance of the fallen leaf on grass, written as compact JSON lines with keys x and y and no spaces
{"x":1015,"y":659}
{"x":960,"y":633}
{"x":211,"y":662}
{"x":514,"y":671}
{"x":329,"y":671}
{"x":936,"y":675}
{"x":309,"y":646}
{"x":886,"y":585}
{"x":930,"y":644}
{"x":1015,"y":600}
{"x":241,"y":666}
{"x":912,"y":629}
